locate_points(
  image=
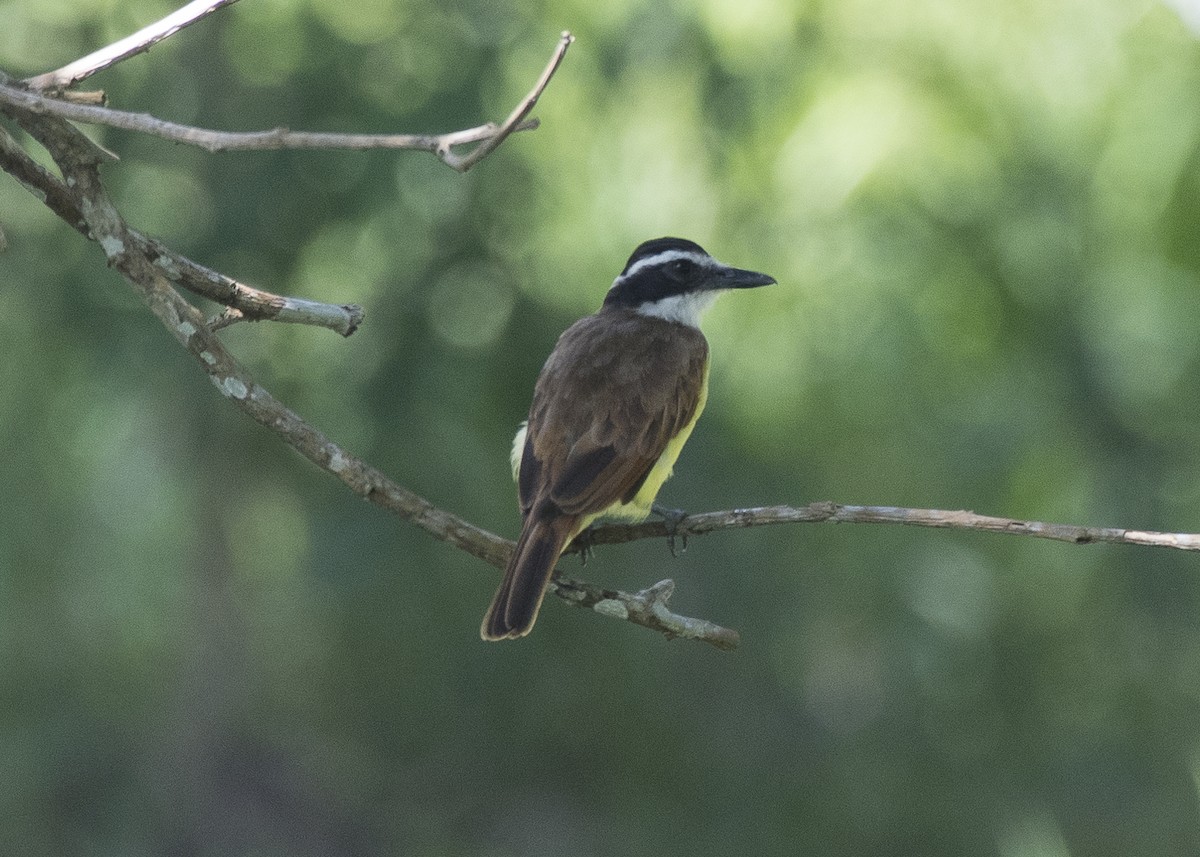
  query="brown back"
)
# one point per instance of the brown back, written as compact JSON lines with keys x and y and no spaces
{"x":635,"y":383}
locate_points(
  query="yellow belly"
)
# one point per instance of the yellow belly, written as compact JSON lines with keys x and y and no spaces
{"x":638,"y":508}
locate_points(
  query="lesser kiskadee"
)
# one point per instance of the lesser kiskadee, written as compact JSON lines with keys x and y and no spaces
{"x":613,"y":406}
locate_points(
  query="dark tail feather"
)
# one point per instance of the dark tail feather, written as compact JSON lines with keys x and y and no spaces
{"x":515,"y":607}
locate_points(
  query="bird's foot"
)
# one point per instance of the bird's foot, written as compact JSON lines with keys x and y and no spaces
{"x":672,"y":518}
{"x":584,"y":544}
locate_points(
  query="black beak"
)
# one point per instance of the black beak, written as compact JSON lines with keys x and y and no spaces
{"x":737,"y":278}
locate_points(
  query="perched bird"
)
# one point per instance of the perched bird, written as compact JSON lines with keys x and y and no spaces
{"x":612,"y":408}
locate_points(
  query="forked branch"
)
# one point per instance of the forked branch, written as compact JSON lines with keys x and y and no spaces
{"x":515,"y":121}
{"x":249,"y":303}
{"x":34,"y":96}
{"x":243,"y":302}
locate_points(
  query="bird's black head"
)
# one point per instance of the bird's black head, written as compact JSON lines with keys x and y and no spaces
{"x":676,"y":279}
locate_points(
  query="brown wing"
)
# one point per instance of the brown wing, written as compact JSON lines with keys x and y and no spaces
{"x":635,"y":382}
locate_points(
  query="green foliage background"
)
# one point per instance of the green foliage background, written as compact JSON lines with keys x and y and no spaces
{"x":984,"y":220}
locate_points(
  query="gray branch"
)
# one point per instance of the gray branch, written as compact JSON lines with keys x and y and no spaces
{"x":486,"y":138}
{"x":839,"y":513}
{"x":234,"y":141}
{"x":250,"y":303}
{"x":516,"y":119}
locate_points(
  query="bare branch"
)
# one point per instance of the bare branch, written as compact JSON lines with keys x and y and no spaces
{"x":253,"y":304}
{"x":139,"y":42}
{"x":487,"y":137}
{"x":838,"y":513}
{"x":233,"y":141}
{"x":39,"y":181}
{"x":515,"y":119}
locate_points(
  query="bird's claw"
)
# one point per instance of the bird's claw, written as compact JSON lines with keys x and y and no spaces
{"x":671,"y":520}
{"x":584,"y":544}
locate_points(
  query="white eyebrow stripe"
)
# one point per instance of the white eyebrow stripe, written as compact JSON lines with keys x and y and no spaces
{"x":664,"y":257}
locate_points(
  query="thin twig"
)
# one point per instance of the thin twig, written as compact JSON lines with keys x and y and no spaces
{"x":838,"y":513}
{"x":252,"y":304}
{"x":515,"y":119}
{"x":139,"y":42}
{"x":247,"y":141}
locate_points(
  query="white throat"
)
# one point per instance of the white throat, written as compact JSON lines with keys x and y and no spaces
{"x":685,"y":309}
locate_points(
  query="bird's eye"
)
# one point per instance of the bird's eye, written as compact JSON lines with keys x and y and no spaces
{"x":681,"y":268}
